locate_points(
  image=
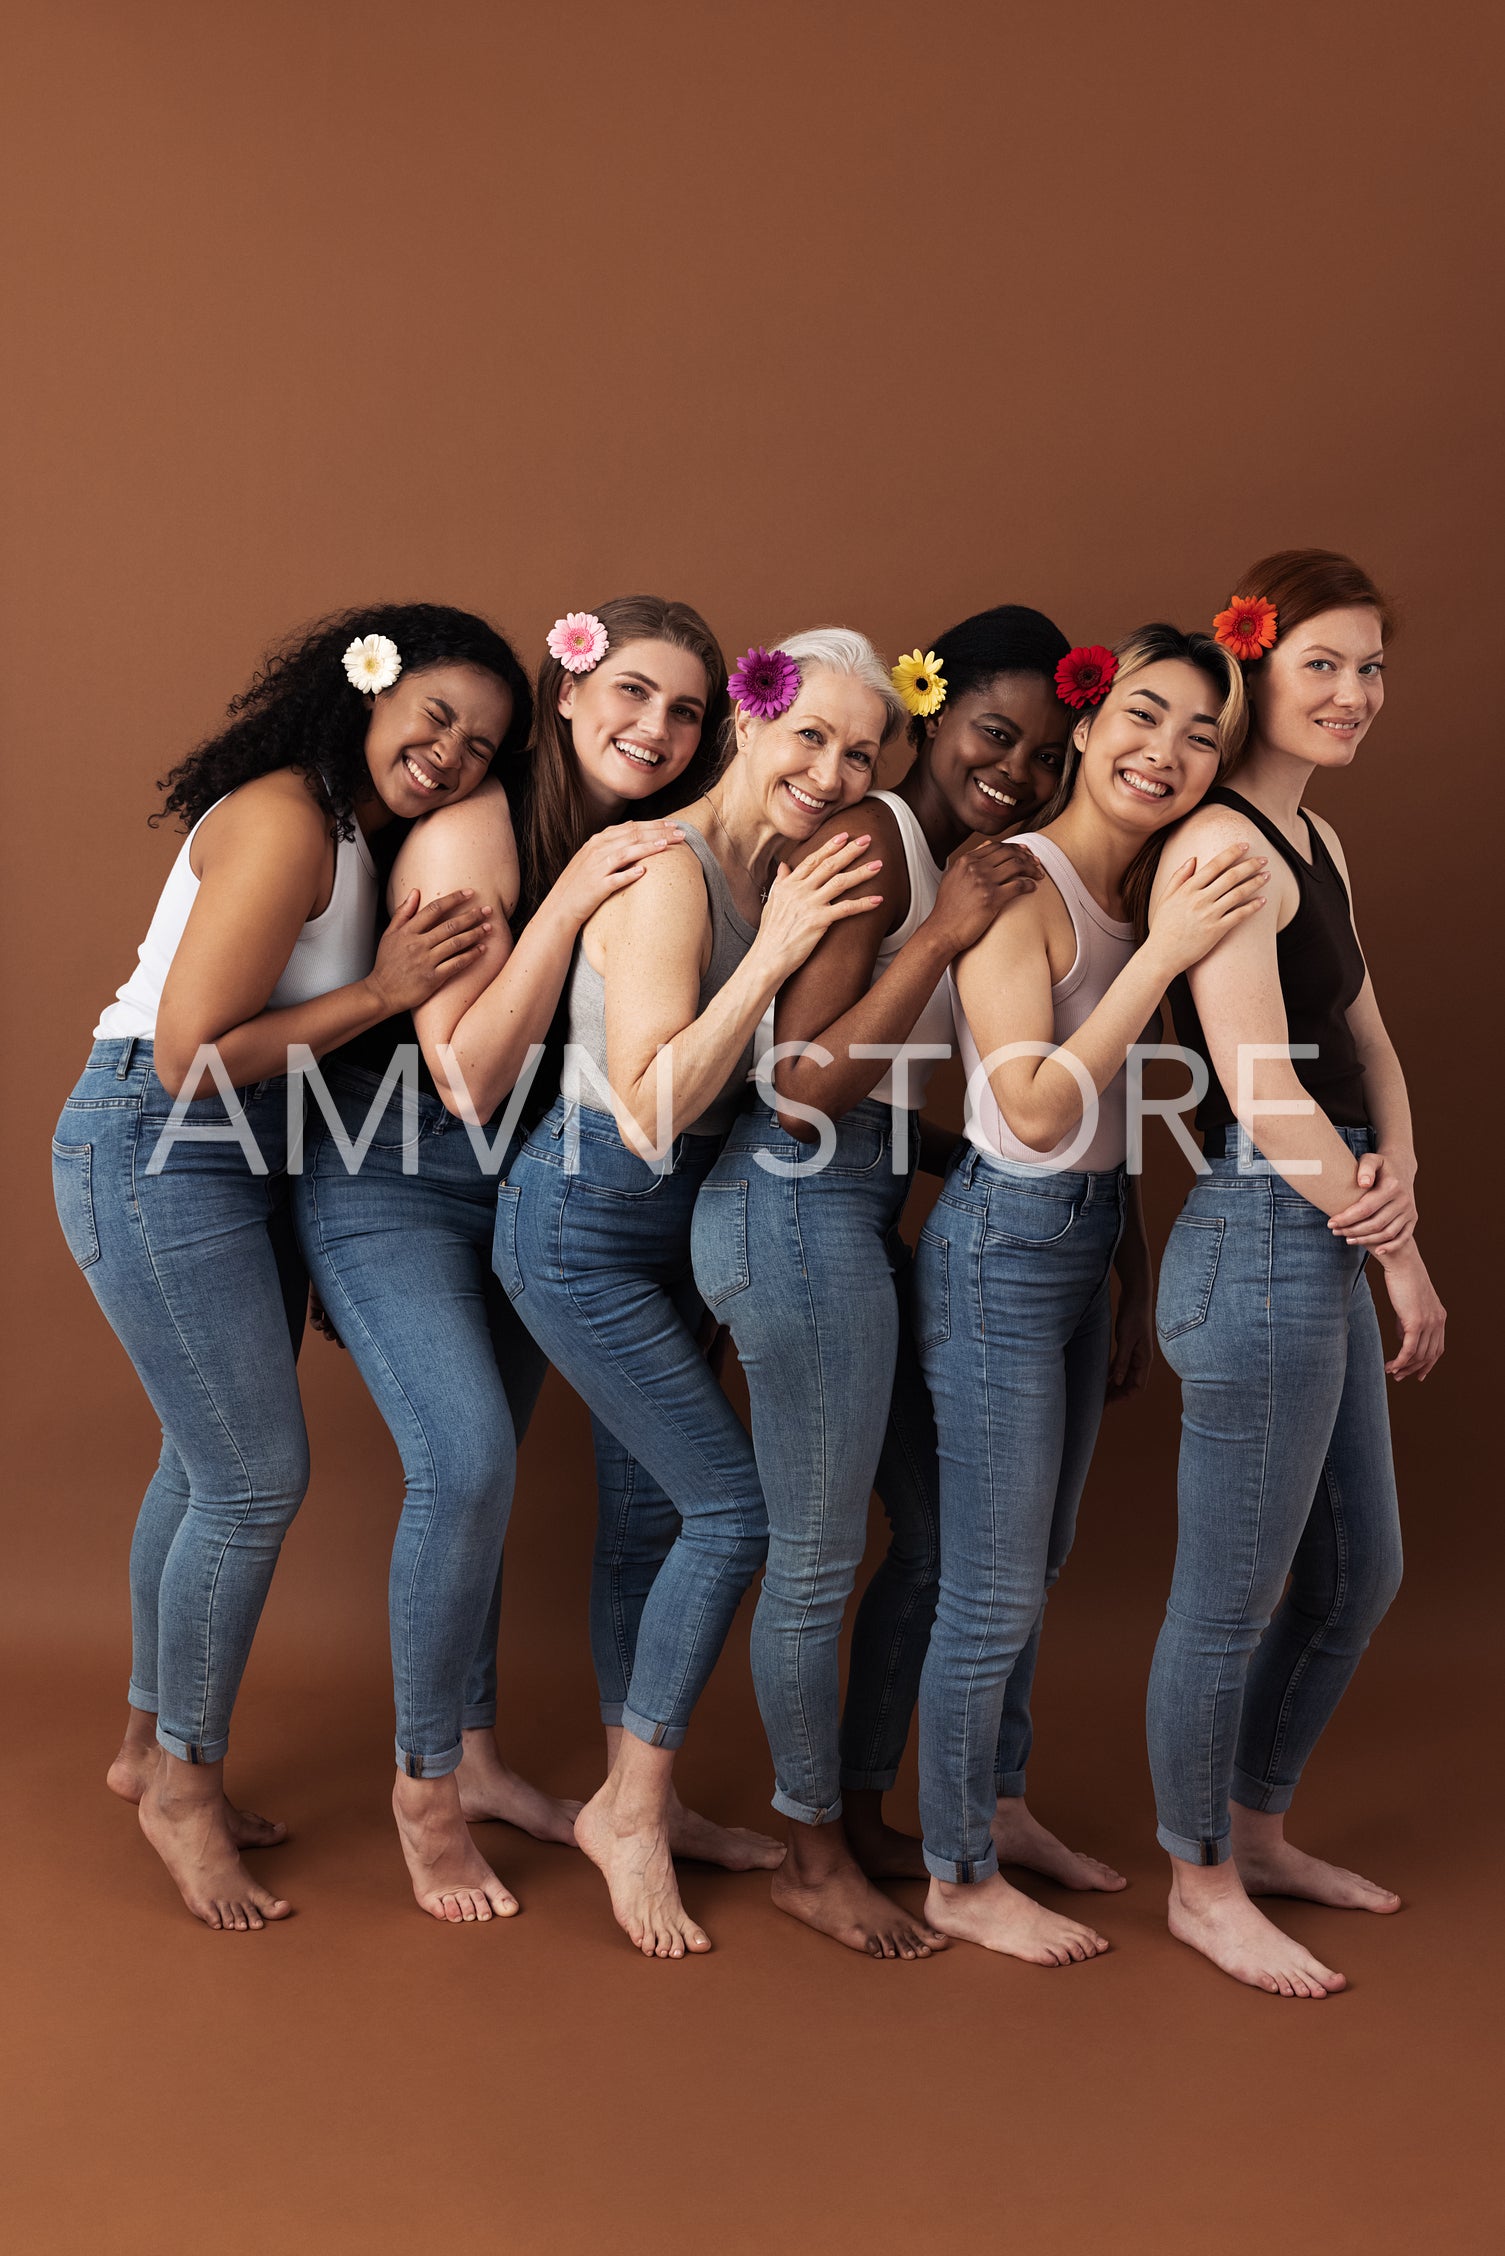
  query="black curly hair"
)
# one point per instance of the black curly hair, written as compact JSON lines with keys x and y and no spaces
{"x":301,"y":712}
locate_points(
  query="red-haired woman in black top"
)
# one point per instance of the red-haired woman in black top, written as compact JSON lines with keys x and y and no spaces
{"x":1264,"y":1308}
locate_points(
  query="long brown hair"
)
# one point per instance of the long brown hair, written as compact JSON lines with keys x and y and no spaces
{"x":1302,"y":583}
{"x":557,"y":820}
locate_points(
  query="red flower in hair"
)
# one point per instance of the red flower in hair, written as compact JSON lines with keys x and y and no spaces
{"x":1247,"y":627}
{"x":1085,"y":675}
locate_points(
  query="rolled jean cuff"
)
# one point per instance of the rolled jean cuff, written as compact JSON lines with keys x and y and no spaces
{"x":1258,"y":1794}
{"x":611,"y":1714}
{"x":479,"y":1718}
{"x":869,"y":1781}
{"x":191,"y":1750}
{"x":139,"y":1697}
{"x":1192,"y":1851}
{"x":1009,"y":1785}
{"x":805,"y":1813}
{"x":428,"y":1766}
{"x":669,"y":1735}
{"x":961,"y":1873}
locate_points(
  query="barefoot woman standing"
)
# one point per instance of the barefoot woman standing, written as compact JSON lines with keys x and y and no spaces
{"x":1012,"y":1310}
{"x":669,"y":982}
{"x":169,"y":1159}
{"x":797,"y":1249}
{"x":1265,"y":1309}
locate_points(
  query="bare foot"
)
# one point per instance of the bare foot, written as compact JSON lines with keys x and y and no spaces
{"x":735,"y":1847}
{"x":634,"y":1856}
{"x":1224,"y":1926}
{"x":1269,"y":1866}
{"x":1021,"y":1839}
{"x":451,"y":1879}
{"x":135,"y":1767}
{"x":883,"y":1852}
{"x":190,"y":1833}
{"x":843,"y":1903}
{"x":998,"y":1917}
{"x":491,"y":1790}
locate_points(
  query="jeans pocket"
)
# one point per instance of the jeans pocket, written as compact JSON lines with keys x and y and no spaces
{"x":718,"y":1241}
{"x":1188,"y":1272}
{"x":930,"y":1299}
{"x":504,"y":1241}
{"x":73,"y":1192}
{"x":1023,"y":1217}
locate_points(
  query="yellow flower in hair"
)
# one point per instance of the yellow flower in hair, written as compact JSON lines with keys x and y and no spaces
{"x":920,"y":683}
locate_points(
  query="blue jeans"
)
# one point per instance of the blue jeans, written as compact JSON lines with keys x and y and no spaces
{"x":1012,"y":1319}
{"x":403,"y":1265}
{"x":597,"y":1263}
{"x":1285,"y":1470}
{"x":196,"y":1270}
{"x":812,"y":1277}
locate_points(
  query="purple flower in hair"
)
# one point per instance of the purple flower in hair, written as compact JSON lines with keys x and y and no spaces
{"x":766,"y":683}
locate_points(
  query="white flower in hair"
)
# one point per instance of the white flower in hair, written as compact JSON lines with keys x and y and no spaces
{"x":372,"y":663}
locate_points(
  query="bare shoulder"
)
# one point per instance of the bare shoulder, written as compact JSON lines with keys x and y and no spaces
{"x":670,"y":893}
{"x":870,"y":817}
{"x":469,"y":844}
{"x":1204,"y":832}
{"x":274,"y":813}
{"x":1023,"y":925}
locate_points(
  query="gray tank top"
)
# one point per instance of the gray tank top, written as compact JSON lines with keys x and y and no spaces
{"x":731,"y":937}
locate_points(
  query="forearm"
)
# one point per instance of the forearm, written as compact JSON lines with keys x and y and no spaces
{"x":1389,"y":1105}
{"x":1043,"y":1099}
{"x":1302,"y":1145}
{"x":258,"y":1049}
{"x":690,"y":1070}
{"x":885,"y":1013}
{"x":489,"y":1043}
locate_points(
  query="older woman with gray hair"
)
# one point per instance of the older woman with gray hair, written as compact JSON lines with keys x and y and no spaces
{"x":670,"y":980}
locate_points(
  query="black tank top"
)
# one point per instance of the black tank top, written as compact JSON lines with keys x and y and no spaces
{"x":1321,"y":972}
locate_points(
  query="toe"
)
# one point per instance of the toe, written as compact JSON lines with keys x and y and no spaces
{"x":697,"y":1939}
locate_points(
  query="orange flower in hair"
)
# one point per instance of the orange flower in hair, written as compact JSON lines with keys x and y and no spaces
{"x":1247,"y":627}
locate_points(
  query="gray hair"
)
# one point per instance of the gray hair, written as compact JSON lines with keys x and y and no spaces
{"x":835,"y":650}
{"x":842,"y":650}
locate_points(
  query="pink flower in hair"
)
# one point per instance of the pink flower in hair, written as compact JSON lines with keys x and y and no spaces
{"x":765,"y":683}
{"x":578,"y":641}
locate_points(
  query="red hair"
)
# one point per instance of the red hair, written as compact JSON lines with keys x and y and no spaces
{"x":1301,"y":582}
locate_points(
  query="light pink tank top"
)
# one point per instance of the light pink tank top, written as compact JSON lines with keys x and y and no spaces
{"x":1103,"y":947}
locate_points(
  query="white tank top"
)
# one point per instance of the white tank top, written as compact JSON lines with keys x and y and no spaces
{"x":934,"y":1022}
{"x":333,"y":949}
{"x":1103,"y":947}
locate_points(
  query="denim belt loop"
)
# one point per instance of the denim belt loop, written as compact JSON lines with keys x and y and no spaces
{"x":128,"y":1051}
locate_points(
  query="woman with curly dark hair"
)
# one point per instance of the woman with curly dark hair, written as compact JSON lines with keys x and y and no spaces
{"x":401,"y":1252}
{"x":169,"y":1161}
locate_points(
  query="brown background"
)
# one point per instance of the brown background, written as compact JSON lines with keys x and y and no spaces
{"x":863,"y":312}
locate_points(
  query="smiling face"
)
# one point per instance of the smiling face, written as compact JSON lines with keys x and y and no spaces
{"x":433,"y":735}
{"x":1321,"y":686}
{"x":635,"y":720}
{"x":819,"y":756}
{"x":996,"y":753}
{"x":1151,"y":749}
